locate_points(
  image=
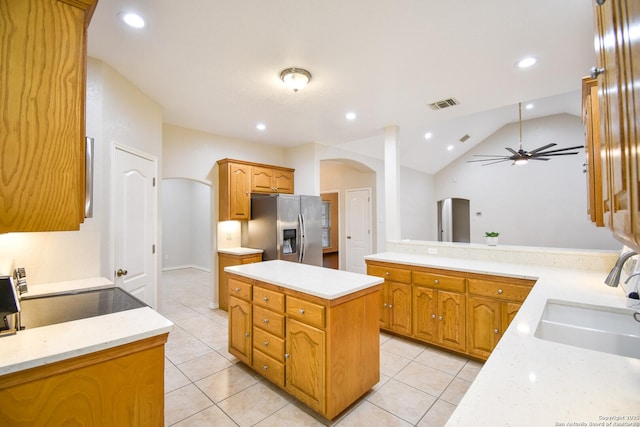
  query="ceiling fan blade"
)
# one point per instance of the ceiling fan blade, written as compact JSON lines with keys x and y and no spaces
{"x":537,"y":158}
{"x":490,"y":155}
{"x":555,"y":154}
{"x":511,"y":150}
{"x":489,"y":160}
{"x":562,"y":149}
{"x":544,"y":147}
{"x":497,"y":161}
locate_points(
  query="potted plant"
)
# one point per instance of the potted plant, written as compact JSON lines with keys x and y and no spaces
{"x":491,"y":237}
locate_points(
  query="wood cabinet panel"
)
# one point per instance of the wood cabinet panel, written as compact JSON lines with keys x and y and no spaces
{"x":269,"y":368}
{"x":228,"y":260}
{"x":240,"y":289}
{"x":234,"y":182}
{"x":593,"y":151}
{"x":240,"y":329}
{"x":306,"y":311}
{"x":394,"y":274}
{"x":439,"y":281}
{"x":399,"y":307}
{"x":451,"y":320}
{"x":269,"y":344}
{"x":269,"y":299}
{"x":498,"y":290}
{"x":43,"y":74}
{"x":271,"y":180}
{"x":425,"y":320}
{"x":268,"y":320}
{"x":484,"y":325}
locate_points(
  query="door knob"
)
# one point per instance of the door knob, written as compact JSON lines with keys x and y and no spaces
{"x":121,"y":272}
{"x":348,"y":237}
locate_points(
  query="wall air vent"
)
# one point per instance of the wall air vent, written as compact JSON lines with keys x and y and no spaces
{"x":445,"y":103}
{"x":464,"y":138}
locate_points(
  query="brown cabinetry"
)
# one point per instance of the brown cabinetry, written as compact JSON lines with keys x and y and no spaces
{"x":300,"y":342}
{"x":618,"y":71}
{"x":271,"y":180}
{"x":43,"y":70}
{"x":593,"y":150}
{"x":227,"y":260}
{"x":395,"y":297}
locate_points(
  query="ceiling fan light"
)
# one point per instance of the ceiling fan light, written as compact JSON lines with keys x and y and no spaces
{"x":520,"y":162}
{"x":295,"y":78}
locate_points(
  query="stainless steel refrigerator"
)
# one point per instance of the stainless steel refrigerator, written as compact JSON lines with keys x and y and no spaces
{"x":287,"y":227}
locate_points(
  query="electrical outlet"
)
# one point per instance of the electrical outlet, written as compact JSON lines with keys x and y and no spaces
{"x":432,"y":251}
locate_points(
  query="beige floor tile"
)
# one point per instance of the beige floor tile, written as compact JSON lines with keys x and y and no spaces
{"x":227,"y":382}
{"x":184,"y":402}
{"x":402,"y":400}
{"x":456,"y":391}
{"x":368,"y":415}
{"x":212,"y":416}
{"x":173,"y":377}
{"x":470,"y":370}
{"x":425,"y":378}
{"x":290,"y":416}
{"x":391,"y":363}
{"x":253,"y":405}
{"x":203,"y":366}
{"x":184,"y":350}
{"x":441,"y":360}
{"x":402,"y":347}
{"x":438,"y":415}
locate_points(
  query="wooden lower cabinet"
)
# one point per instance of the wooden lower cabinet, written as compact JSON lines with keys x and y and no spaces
{"x":439,"y":317}
{"x":326,"y":353}
{"x":396,"y":313}
{"x":120,"y":386}
{"x":228,"y":260}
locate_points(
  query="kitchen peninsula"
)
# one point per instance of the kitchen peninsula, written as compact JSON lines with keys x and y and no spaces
{"x":310,"y":330}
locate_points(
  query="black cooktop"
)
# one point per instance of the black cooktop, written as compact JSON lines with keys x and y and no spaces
{"x":60,"y":308}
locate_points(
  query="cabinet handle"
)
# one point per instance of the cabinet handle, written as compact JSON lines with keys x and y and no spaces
{"x":246,"y":334}
{"x":433,"y":316}
{"x":436,"y":281}
{"x":266,"y":298}
{"x":286,"y":355}
{"x":439,"y":317}
{"x":500,"y":291}
{"x":384,"y":305}
{"x":301,"y":311}
{"x":390,"y":306}
{"x":596,"y":71}
{"x":237,"y":289}
{"x":386,"y":273}
{"x":266,"y":343}
{"x":265,"y":367}
{"x":265,"y":320}
{"x":495,"y":331}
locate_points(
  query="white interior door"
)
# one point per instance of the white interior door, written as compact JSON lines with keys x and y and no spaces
{"x":358,"y":228}
{"x":135,"y":218}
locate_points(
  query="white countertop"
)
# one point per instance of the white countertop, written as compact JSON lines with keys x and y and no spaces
{"x":48,"y":344}
{"x":322,"y":282}
{"x":240,"y":251}
{"x":528,"y":381}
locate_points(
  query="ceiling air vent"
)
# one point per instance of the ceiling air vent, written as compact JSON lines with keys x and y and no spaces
{"x":445,"y":103}
{"x":464,"y":138}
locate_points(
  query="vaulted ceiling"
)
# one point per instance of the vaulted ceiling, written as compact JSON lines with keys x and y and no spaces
{"x":214,"y":65}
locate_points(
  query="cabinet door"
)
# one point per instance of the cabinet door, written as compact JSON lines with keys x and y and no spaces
{"x":451,"y":320}
{"x":484,"y":325}
{"x":425,"y":307}
{"x":509,"y":311}
{"x":240,"y":341}
{"x":239,"y":191}
{"x":593,"y":161}
{"x":262,"y":180}
{"x":384,"y":306}
{"x":305,"y":364}
{"x":399,"y":301}
{"x":283,"y":181}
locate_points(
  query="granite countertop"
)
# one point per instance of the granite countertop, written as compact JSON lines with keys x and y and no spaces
{"x":30,"y":348}
{"x":322,"y":282}
{"x":529,"y":381}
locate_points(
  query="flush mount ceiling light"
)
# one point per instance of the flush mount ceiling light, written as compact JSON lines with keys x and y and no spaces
{"x":350,"y":116}
{"x":527,"y":62}
{"x":295,"y":78}
{"x":132,"y":19}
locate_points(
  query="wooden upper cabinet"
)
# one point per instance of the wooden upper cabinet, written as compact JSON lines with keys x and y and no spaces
{"x":619,"y":103}
{"x":271,"y":180}
{"x":42,"y":133}
{"x":593,"y":151}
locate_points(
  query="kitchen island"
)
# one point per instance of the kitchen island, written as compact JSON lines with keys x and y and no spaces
{"x":529,"y":381}
{"x":312,"y":331}
{"x":104,"y":370}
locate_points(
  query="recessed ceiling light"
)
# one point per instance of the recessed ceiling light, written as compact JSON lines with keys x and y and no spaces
{"x":261,"y":126}
{"x":449,"y":147}
{"x":132,"y":19}
{"x":350,"y":116}
{"x":428,"y":135}
{"x":526,"y":62}
{"x":528,"y":106}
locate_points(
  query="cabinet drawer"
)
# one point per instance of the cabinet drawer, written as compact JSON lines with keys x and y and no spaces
{"x":439,"y":281}
{"x":268,"y":344}
{"x":239,"y":289}
{"x":269,"y":299}
{"x":268,"y":320}
{"x":251,"y":260}
{"x":305,"y":311}
{"x":499,"y":290}
{"x":269,"y":368}
{"x":390,"y":273}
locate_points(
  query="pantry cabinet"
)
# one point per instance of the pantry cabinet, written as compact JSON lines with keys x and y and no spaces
{"x":43,"y":70}
{"x":618,"y":73}
{"x":238,"y":179}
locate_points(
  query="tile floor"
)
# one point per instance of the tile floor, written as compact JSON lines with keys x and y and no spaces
{"x":206,"y":386}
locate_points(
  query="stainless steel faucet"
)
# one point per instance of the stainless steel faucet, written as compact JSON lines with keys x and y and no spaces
{"x":613,"y":279}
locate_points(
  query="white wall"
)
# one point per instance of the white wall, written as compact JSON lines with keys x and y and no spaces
{"x":186,"y":224}
{"x":538,"y":204}
{"x":116,"y":112}
{"x":419,"y":219}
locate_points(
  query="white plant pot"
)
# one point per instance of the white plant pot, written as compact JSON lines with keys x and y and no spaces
{"x":492,"y":241}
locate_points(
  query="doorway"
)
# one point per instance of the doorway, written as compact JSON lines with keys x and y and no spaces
{"x":330,"y":230}
{"x":453,"y":220}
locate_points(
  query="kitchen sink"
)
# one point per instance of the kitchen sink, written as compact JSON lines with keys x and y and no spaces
{"x":65,"y":307}
{"x":607,"y":329}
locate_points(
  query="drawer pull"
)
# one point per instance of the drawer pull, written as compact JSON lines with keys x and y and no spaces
{"x":433,"y":316}
{"x":436,"y":281}
{"x":301,"y":311}
{"x":265,"y":320}
{"x":495,"y":331}
{"x":265,"y":367}
{"x":439,"y":317}
{"x":266,"y":298}
{"x":246,"y":334}
{"x":500,"y":291}
{"x":384,"y":305}
{"x":390,"y":306}
{"x":266,"y":343}
{"x":237,"y":289}
{"x":386,"y":273}
{"x":286,"y":355}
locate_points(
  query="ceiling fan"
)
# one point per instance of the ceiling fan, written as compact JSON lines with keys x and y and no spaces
{"x":522,"y":157}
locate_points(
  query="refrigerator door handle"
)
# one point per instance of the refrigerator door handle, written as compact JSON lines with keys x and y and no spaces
{"x":302,"y":231}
